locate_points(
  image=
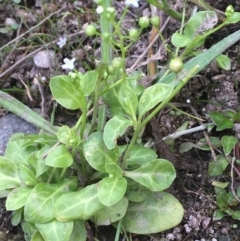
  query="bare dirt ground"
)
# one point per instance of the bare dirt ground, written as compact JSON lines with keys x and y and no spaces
{"x":42,"y":23}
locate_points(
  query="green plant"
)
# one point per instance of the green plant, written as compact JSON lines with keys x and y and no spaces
{"x":229,"y":155}
{"x":57,"y":180}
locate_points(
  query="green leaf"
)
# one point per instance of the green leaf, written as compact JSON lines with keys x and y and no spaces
{"x":180,"y":40}
{"x":159,"y":212}
{"x":17,"y":198}
{"x":111,"y":190}
{"x":128,"y":100}
{"x":28,"y":228}
{"x":66,"y":92}
{"x":234,"y":18}
{"x":136,"y":192}
{"x":199,"y":23}
{"x":140,"y":155}
{"x":37,"y":161}
{"x":59,"y":157}
{"x":27,"y":176}
{"x":152,"y":96}
{"x":217,"y":167}
{"x":113,"y":169}
{"x":224,"y":62}
{"x":156,"y":175}
{"x":9,"y":176}
{"x":228,"y":143}
{"x":220,"y":184}
{"x":221,"y":121}
{"x":79,"y":231}
{"x":37,"y":237}
{"x":16,"y":217}
{"x":96,"y":152}
{"x":82,"y":204}
{"x":89,"y":82}
{"x":203,"y":145}
{"x":186,"y":146}
{"x":55,"y":230}
{"x":17,"y":151}
{"x":218,"y":215}
{"x":39,"y":207}
{"x":114,"y":128}
{"x":111,"y":214}
{"x":236,"y":215}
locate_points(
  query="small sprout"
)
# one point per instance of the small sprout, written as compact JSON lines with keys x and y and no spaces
{"x":69,"y":63}
{"x":61,"y":42}
{"x":155,"y":21}
{"x":133,"y":33}
{"x":176,"y":65}
{"x":229,"y":11}
{"x":90,"y":30}
{"x":99,"y":10}
{"x":133,"y":3}
{"x":144,"y":22}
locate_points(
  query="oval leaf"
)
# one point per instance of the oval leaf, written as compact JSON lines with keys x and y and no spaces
{"x":66,"y":93}
{"x":78,"y":205}
{"x":128,"y":100}
{"x":228,"y":143}
{"x":96,"y":152}
{"x":224,"y":62}
{"x":114,"y":128}
{"x":89,"y":81}
{"x":152,"y":96}
{"x":17,"y":198}
{"x":39,"y":207}
{"x":59,"y":157}
{"x":156,"y":175}
{"x":180,"y":40}
{"x":158,"y":212}
{"x":8,"y":174}
{"x":111,"y":190}
{"x":55,"y":230}
{"x":112,"y":214}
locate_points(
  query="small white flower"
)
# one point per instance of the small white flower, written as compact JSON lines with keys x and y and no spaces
{"x":61,"y":42}
{"x":134,"y":3}
{"x":69,"y":63}
{"x":188,"y":101}
{"x":99,"y":10}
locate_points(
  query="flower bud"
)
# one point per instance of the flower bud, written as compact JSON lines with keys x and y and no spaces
{"x":117,"y":63}
{"x":106,"y":36}
{"x":90,"y":30}
{"x":229,"y":11}
{"x":144,"y":22}
{"x":133,"y":33}
{"x":176,"y":65}
{"x":155,"y":21}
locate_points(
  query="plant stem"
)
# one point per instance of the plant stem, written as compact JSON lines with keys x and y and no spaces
{"x":106,"y":27}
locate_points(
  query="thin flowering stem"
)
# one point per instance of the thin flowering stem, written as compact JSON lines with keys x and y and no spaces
{"x":106,"y":27}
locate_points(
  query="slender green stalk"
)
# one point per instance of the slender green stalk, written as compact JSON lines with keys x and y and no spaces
{"x":118,"y":230}
{"x":106,"y":27}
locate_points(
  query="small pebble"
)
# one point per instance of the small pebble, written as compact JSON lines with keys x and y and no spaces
{"x":224,"y":231}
